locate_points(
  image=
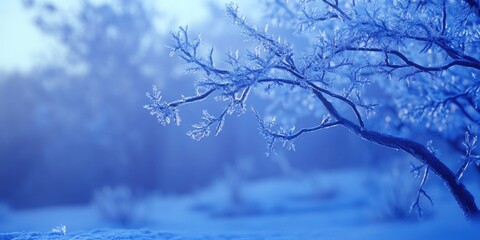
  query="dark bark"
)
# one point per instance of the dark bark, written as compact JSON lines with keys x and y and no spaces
{"x":463,"y":197}
{"x":474,"y":5}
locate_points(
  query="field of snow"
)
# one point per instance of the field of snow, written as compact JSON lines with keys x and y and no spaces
{"x":331,"y":205}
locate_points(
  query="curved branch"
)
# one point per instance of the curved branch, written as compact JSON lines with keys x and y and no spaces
{"x":421,"y":191}
{"x":306,"y":130}
{"x":344,"y":99}
{"x":191,"y":99}
{"x":457,"y":62}
{"x":444,"y":17}
{"x":464,"y":111}
{"x":312,"y":85}
{"x":474,"y":5}
{"x":463,"y":197}
{"x":335,"y":6}
{"x":443,"y":44}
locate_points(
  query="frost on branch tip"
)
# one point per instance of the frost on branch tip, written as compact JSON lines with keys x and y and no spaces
{"x":164,"y":112}
{"x":276,"y":46}
{"x":286,"y":136}
{"x":202,"y":129}
{"x":272,"y":136}
{"x":469,"y":143}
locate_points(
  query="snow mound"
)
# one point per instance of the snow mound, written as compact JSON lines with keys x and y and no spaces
{"x":144,"y":234}
{"x":95,"y":234}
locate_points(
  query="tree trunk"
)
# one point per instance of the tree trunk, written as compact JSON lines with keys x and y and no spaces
{"x":463,"y":197}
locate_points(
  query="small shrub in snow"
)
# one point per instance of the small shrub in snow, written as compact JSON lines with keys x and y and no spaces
{"x":397,"y":194}
{"x":115,"y":205}
{"x":61,"y":229}
{"x":4,"y":211}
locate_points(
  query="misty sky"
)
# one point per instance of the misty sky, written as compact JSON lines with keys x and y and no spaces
{"x":22,"y":44}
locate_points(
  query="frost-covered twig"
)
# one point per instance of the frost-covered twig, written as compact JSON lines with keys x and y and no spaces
{"x":168,"y":112}
{"x":277,"y":47}
{"x":286,"y":136}
{"x":470,"y":144}
{"x":188,"y":51}
{"x":421,"y":192}
{"x":409,"y":63}
{"x":202,"y":129}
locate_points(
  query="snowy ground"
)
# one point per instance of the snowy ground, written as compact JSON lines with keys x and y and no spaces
{"x":333,"y":205}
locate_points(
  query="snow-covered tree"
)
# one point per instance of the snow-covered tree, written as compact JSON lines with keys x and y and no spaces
{"x":385,"y":70}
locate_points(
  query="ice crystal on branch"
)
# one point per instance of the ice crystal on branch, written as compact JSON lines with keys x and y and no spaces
{"x":470,"y":144}
{"x":202,"y":129}
{"x":285,"y":136}
{"x":164,"y":112}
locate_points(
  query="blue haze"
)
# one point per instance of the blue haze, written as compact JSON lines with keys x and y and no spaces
{"x":73,"y":128}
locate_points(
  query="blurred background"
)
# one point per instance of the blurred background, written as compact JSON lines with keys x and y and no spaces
{"x":75,"y":139}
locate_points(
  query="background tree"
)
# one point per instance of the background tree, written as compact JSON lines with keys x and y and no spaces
{"x":413,"y":63}
{"x":73,"y":125}
{"x":70,"y":107}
